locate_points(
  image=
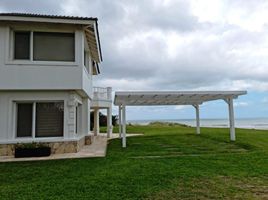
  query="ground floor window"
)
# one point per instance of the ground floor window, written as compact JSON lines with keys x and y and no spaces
{"x":40,"y":119}
{"x":24,"y":119}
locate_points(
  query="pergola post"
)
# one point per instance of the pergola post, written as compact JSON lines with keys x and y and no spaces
{"x":197,"y":118}
{"x":120,"y":120}
{"x":124,"y":139}
{"x":229,"y":101}
{"x":109,"y":122}
{"x":96,"y":122}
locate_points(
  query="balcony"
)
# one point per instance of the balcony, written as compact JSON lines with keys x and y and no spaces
{"x":102,"y":94}
{"x":102,"y":97}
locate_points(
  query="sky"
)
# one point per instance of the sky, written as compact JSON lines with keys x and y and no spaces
{"x":176,"y":45}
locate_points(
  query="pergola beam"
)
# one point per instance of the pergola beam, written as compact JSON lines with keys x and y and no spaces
{"x":162,"y":100}
{"x":161,"y":103}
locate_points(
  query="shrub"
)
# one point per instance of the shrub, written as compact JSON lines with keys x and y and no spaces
{"x":103,"y":120}
{"x":158,"y":123}
{"x":32,"y":145}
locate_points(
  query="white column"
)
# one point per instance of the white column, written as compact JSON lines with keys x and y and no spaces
{"x":124,"y":139}
{"x":85,"y":116}
{"x":231,"y":118}
{"x":197,"y":118}
{"x":120,"y":121}
{"x":96,"y":122}
{"x":34,"y":120}
{"x":109,"y":122}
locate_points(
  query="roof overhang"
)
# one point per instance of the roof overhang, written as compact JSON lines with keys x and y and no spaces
{"x":155,"y":98}
{"x":93,"y":40}
{"x":27,"y":17}
{"x":90,"y":26}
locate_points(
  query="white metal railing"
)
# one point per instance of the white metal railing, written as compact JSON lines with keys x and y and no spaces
{"x":100,"y":93}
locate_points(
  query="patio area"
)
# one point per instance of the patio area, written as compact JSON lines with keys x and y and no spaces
{"x":96,"y":149}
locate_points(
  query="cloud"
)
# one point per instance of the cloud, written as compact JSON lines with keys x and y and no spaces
{"x":173,"y":45}
{"x":180,"y":107}
{"x":31,"y":6}
{"x":264,"y":100}
{"x":241,"y":104}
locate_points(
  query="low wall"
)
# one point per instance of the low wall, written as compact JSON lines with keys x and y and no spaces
{"x":56,"y":147}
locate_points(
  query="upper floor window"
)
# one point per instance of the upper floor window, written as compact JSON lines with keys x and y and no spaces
{"x":53,"y":46}
{"x":44,"y":46}
{"x":22,"y":45}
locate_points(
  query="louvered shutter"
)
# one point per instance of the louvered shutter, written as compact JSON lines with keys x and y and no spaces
{"x":49,"y":119}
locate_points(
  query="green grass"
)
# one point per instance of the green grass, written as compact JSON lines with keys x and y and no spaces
{"x":167,"y":162}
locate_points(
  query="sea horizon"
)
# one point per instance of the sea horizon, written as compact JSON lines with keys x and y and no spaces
{"x":249,"y":123}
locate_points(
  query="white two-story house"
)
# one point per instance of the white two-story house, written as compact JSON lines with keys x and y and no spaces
{"x":46,"y":90}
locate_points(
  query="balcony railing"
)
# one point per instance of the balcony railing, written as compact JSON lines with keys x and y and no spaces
{"x":102,"y":94}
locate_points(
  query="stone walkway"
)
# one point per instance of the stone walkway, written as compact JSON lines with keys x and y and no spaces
{"x":96,"y":149}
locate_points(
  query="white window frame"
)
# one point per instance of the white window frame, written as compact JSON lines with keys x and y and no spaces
{"x":86,"y":61}
{"x":34,"y":120}
{"x":12,"y":46}
{"x":88,"y":66}
{"x":12,"y":60}
{"x":78,"y":118}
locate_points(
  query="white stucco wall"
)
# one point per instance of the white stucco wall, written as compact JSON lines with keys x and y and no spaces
{"x":43,"y":75}
{"x":71,"y":99}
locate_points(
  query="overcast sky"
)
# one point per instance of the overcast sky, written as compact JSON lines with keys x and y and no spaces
{"x":176,"y":45}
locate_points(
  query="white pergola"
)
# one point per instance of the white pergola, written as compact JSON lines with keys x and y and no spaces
{"x":161,"y":98}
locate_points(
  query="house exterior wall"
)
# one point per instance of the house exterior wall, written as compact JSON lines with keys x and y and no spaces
{"x":43,"y":75}
{"x":45,"y":81}
{"x":70,"y":98}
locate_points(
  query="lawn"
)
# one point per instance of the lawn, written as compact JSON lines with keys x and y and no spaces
{"x":167,"y":162}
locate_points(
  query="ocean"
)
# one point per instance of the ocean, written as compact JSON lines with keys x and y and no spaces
{"x":249,"y":123}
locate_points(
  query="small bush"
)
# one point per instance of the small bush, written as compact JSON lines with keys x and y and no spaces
{"x":103,"y":120}
{"x":172,"y":124}
{"x":32,"y":145}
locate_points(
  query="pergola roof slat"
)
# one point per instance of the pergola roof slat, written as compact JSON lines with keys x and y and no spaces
{"x":147,"y":98}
